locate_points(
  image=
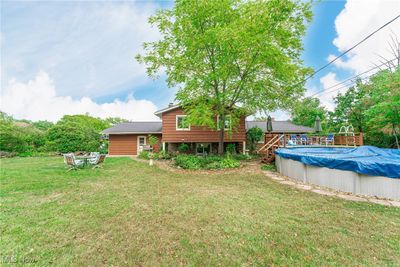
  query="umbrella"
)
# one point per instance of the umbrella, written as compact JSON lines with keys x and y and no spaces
{"x":269,"y":124}
{"x":317,"y":126}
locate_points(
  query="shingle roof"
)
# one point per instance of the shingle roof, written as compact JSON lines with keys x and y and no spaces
{"x":135,"y":127}
{"x":279,"y":127}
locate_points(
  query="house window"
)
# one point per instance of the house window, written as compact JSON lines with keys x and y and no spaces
{"x":227,"y":122}
{"x":182,"y":123}
{"x":203,"y":148}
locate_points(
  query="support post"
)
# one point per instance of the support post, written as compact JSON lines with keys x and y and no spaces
{"x":244,"y":147}
{"x":163,"y":146}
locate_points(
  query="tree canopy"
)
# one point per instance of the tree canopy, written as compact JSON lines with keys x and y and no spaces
{"x":230,"y":53}
{"x":305,"y":111}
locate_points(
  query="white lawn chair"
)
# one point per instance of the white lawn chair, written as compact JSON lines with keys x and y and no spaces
{"x":71,"y":162}
{"x":97,"y":161}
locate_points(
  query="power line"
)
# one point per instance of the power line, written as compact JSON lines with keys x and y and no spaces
{"x":351,"y":78}
{"x":351,"y":48}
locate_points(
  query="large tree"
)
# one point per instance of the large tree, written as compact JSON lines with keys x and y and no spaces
{"x":230,"y":53}
{"x":305,"y":111}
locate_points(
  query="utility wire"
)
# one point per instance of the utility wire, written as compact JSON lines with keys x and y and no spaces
{"x":351,"y":48}
{"x":351,"y":78}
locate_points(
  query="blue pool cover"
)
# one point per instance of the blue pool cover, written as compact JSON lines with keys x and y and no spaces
{"x":365,"y":159}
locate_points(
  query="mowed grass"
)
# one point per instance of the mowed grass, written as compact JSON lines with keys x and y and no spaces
{"x":129,"y":213}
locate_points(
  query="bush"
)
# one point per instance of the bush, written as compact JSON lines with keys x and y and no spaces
{"x":144,"y":155}
{"x":162,"y":155}
{"x":188,"y":162}
{"x":183,"y":147}
{"x":231,"y":148}
{"x":192,"y":162}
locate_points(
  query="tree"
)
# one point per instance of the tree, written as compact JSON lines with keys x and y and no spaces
{"x":254,"y":135}
{"x":230,"y":53}
{"x":384,"y":92}
{"x":76,"y":133}
{"x":350,"y":108}
{"x":305,"y":111}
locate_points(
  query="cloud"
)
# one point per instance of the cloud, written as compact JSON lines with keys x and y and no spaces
{"x":327,"y":96}
{"x":37,"y":100}
{"x":87,"y":47}
{"x":356,"y":21}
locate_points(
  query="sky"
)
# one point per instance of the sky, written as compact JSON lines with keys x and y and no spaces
{"x":76,"y":57}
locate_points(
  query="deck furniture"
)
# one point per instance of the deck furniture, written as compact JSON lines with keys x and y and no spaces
{"x":304,"y":139}
{"x":329,"y":140}
{"x":293,"y":139}
{"x":72,"y":162}
{"x":97,"y":161}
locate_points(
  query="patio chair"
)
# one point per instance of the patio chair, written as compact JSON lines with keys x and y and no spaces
{"x":71,"y":162}
{"x":293,"y":139}
{"x":304,"y":139}
{"x":330,"y":139}
{"x":94,"y":154}
{"x":97,"y":161}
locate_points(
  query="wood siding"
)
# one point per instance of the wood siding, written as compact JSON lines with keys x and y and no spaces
{"x":126,"y":144}
{"x":197,"y":133}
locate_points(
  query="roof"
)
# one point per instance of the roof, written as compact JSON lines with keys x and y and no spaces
{"x":135,"y":127}
{"x":279,"y":127}
{"x":161,"y":111}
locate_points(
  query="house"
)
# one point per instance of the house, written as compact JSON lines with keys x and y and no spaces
{"x":130,"y":138}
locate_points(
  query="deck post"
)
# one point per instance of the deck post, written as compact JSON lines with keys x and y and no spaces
{"x":163,"y":146}
{"x":244,"y":147}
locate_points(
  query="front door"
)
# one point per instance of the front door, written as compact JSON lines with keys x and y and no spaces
{"x":141,"y":143}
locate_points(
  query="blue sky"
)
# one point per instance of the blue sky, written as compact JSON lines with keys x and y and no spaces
{"x":75,"y":57}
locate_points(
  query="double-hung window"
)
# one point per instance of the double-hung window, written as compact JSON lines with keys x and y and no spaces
{"x":182,"y":123}
{"x":227,"y":123}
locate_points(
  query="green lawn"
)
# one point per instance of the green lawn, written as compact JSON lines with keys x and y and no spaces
{"x":131,"y":214}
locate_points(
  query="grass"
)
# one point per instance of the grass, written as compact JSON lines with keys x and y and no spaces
{"x":131,"y":214}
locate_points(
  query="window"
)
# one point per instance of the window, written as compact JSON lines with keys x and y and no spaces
{"x":142,"y":140}
{"x":181,"y":123}
{"x":227,"y":123}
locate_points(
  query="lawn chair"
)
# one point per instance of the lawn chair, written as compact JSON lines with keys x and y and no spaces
{"x":304,"y":139}
{"x":71,"y":162}
{"x":293,"y":139}
{"x":330,"y":139}
{"x":97,"y":161}
{"x":94,"y":154}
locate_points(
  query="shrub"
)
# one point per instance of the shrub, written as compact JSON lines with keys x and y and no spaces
{"x":183,"y":147}
{"x":231,"y":148}
{"x":153,"y":140}
{"x":144,"y":155}
{"x":162,"y":155}
{"x":188,"y":162}
{"x":192,"y":162}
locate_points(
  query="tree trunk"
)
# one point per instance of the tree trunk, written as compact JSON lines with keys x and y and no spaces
{"x":221,"y":134}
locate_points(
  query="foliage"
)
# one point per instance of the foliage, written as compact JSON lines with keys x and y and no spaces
{"x":372,"y":107}
{"x":162,"y":155}
{"x":241,"y":157}
{"x":231,"y":148}
{"x":254,"y":135}
{"x":305,"y":111}
{"x":224,"y":54}
{"x":153,"y":140}
{"x":144,"y":155}
{"x":183,"y":147}
{"x":193,"y":162}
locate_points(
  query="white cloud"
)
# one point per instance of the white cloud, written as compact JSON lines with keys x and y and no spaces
{"x":356,"y":21}
{"x":37,"y":100}
{"x":87,"y":47}
{"x":327,"y":96}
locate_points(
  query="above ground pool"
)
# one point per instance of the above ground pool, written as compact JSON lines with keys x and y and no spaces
{"x":365,"y":159}
{"x":362,"y":170}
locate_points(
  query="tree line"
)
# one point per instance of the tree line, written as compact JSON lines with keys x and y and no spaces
{"x":372,"y":107}
{"x":71,"y":133}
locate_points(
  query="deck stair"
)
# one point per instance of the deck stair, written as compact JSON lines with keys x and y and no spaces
{"x":267,"y":151}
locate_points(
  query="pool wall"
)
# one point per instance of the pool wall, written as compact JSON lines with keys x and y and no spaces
{"x":341,"y":180}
